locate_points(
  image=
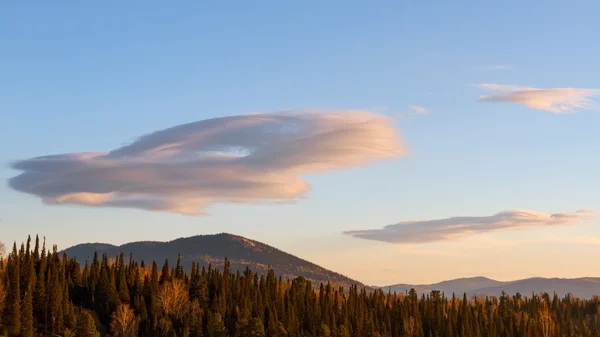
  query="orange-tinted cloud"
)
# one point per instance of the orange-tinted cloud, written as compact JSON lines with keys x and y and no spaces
{"x":555,"y":100}
{"x":237,"y":159}
{"x":457,"y":227}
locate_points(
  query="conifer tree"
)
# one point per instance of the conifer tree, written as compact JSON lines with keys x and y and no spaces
{"x":86,"y":326}
{"x":255,"y":328}
{"x":27,"y":313}
{"x":46,"y":288}
{"x":13,"y":299}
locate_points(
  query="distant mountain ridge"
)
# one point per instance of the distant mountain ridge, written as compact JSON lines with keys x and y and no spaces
{"x":205,"y":249}
{"x":584,"y":287}
{"x":257,"y":256}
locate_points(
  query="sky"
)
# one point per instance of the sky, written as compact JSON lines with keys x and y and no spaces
{"x":390,"y":141}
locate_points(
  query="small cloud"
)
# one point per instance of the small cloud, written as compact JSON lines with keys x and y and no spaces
{"x":499,"y":67}
{"x":555,"y":100}
{"x":574,"y":240}
{"x":586,"y":210}
{"x":408,"y":232}
{"x":257,"y":158}
{"x":418,"y":110}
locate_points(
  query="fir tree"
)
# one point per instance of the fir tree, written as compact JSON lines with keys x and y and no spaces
{"x":86,"y":326}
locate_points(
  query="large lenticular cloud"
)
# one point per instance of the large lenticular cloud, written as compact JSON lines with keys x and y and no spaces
{"x":240,"y":159}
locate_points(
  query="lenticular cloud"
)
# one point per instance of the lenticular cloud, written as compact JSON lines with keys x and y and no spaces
{"x":411,"y":232}
{"x":237,"y":159}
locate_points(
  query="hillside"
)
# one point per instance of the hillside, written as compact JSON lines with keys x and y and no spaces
{"x":457,"y":286}
{"x":205,"y":249}
{"x":580,"y":287}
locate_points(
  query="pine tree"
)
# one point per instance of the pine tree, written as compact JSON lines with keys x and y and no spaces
{"x":255,"y":328}
{"x":13,"y":301}
{"x":27,"y":313}
{"x":216,"y":327}
{"x":86,"y":326}
{"x":209,"y":302}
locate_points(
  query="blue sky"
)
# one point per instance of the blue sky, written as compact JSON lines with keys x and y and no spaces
{"x":93,"y":77}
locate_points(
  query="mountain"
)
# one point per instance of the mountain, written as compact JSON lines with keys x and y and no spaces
{"x":457,"y":286}
{"x":205,"y":249}
{"x":586,"y":287}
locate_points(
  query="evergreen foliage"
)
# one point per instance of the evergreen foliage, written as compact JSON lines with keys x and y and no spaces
{"x":46,"y":294}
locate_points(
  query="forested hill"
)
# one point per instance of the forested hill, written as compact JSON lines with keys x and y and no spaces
{"x":44,"y":293}
{"x":241,"y":253}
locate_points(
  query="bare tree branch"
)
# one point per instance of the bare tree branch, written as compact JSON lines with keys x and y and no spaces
{"x":173,"y":298}
{"x":124,"y":323}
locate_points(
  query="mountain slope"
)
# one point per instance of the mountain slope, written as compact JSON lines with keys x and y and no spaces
{"x":457,"y":286}
{"x":579,"y":287}
{"x":205,"y":249}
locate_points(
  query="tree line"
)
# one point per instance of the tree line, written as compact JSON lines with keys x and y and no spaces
{"x":44,"y":293}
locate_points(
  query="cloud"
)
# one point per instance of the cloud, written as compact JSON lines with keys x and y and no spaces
{"x":574,"y":240}
{"x":407,"y":232}
{"x":555,"y":100}
{"x":256,"y":158}
{"x":419,"y":110}
{"x":499,"y":67}
{"x":586,"y":210}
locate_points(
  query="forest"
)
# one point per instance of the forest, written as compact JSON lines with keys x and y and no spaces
{"x":44,"y":293}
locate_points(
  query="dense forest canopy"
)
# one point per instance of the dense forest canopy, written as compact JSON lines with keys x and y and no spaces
{"x":44,"y":293}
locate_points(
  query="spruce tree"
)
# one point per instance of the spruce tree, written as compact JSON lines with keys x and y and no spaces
{"x":13,"y":298}
{"x":27,"y":313}
{"x":86,"y":326}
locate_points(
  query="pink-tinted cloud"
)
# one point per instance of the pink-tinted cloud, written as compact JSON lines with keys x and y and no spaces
{"x":258,"y":158}
{"x":555,"y":100}
{"x":419,"y":110}
{"x":407,"y":232}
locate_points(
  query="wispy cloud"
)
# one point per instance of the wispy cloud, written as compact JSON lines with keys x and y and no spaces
{"x":555,"y":100}
{"x":239,"y":159}
{"x":419,"y":110}
{"x":407,"y":232}
{"x":586,"y":210}
{"x":574,"y":240}
{"x":499,"y":67}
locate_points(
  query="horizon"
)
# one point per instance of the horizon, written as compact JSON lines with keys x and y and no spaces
{"x":358,"y":280}
{"x":391,"y":142}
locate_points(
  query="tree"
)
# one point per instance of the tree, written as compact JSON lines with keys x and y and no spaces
{"x":342,"y":331}
{"x":324,"y":330}
{"x":13,"y":298}
{"x":2,"y":249}
{"x":124,"y":323}
{"x":173,"y":298}
{"x":221,"y":303}
{"x":277,"y":330}
{"x":216,"y":327}
{"x":2,"y":298}
{"x":255,"y":328}
{"x":86,"y":326}
{"x":27,"y":313}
